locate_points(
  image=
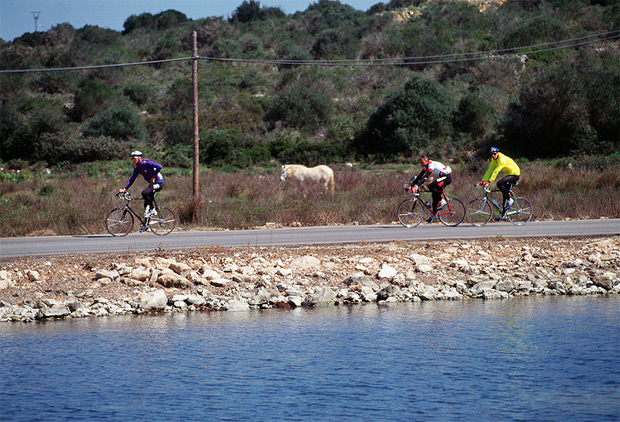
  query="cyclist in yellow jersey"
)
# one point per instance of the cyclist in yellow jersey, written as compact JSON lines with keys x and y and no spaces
{"x":501,"y":162}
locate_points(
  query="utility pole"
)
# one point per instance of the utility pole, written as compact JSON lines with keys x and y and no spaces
{"x":196,"y":192}
{"x":36,"y":15}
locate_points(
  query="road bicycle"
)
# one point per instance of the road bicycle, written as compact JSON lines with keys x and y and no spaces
{"x":411,"y":211}
{"x":119,"y":221}
{"x":480,"y":210}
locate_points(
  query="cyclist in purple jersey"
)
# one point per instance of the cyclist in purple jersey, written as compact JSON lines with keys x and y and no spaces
{"x":150,"y":170}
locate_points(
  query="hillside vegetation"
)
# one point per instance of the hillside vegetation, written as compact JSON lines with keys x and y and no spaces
{"x":534,"y":102}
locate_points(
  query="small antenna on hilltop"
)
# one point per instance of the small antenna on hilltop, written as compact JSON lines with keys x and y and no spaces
{"x":36,"y":20}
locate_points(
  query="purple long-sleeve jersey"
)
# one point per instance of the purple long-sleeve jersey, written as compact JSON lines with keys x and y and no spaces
{"x":148,"y":169}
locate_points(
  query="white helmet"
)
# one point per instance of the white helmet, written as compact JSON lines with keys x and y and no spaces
{"x":136,"y":154}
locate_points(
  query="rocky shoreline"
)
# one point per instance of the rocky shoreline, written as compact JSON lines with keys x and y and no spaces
{"x":241,"y":279}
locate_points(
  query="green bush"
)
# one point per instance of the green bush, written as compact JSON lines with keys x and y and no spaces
{"x":179,"y":132}
{"x":247,"y":11}
{"x":58,"y":148}
{"x":144,"y":20}
{"x":309,"y":153}
{"x":178,"y":155}
{"x":169,"y":19}
{"x":119,"y":123}
{"x":473,"y":116}
{"x":165,"y":49}
{"x":14,"y":140}
{"x":550,"y":118}
{"x":300,"y":107}
{"x":92,"y":97}
{"x":335,"y":44}
{"x":96,"y":35}
{"x":408,"y":120}
{"x":138,"y":93}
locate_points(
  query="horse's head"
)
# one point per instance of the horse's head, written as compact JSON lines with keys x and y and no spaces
{"x":284,"y":173}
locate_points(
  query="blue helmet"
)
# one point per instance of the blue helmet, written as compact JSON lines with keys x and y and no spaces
{"x":494,"y":149}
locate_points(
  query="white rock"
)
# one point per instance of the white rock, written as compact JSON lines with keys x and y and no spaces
{"x":479,"y":288}
{"x":424,"y":268}
{"x":179,"y":267}
{"x":154,"y":301}
{"x":387,"y":272}
{"x":140,"y":273}
{"x":221,"y":282}
{"x":231,"y":268}
{"x":295,"y":301}
{"x":111,"y":274}
{"x":419,"y":259}
{"x":284,"y":272}
{"x":306,"y":262}
{"x":235,"y":305}
{"x":33,"y":275}
{"x":5,"y":280}
{"x":211,"y":274}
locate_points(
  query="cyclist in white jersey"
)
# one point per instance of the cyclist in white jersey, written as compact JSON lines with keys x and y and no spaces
{"x":443,"y":177}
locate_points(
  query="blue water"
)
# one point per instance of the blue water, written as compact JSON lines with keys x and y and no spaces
{"x":532,"y":359}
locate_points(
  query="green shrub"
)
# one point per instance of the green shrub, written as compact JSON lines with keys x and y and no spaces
{"x":144,"y":20}
{"x":179,"y":132}
{"x":96,"y":35}
{"x":335,"y":44}
{"x":168,"y":19}
{"x":92,"y":97}
{"x":58,"y":148}
{"x":247,"y":11}
{"x":550,"y":119}
{"x":473,"y":116}
{"x":138,"y":93}
{"x":179,"y":155}
{"x":165,"y":49}
{"x":300,"y":107}
{"x":408,"y":120}
{"x":119,"y":123}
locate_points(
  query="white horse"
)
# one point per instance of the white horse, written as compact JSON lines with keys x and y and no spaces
{"x":300,"y":173}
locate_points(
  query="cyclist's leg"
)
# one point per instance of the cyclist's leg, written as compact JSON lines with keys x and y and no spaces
{"x":436,"y":191}
{"x":441,"y":184}
{"x":149,"y":194}
{"x":505,"y":185}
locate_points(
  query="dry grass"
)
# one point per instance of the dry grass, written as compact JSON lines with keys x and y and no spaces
{"x":69,"y":205}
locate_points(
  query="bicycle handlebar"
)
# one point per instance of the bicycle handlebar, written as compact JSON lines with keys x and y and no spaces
{"x":123,"y":195}
{"x":487,"y":188}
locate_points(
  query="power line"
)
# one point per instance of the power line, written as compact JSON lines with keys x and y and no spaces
{"x":398,"y":61}
{"x":102,"y":66}
{"x":403,"y":61}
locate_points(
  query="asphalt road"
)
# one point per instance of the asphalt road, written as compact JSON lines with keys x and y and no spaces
{"x":54,"y":245}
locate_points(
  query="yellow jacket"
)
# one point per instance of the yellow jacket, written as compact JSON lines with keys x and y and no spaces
{"x":502,"y":162}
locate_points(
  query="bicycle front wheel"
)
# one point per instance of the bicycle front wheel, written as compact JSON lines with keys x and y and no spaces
{"x":119,"y":222}
{"x":410,"y":212}
{"x":164,"y":222}
{"x":452,"y":213}
{"x":479,"y":212}
{"x":520,"y":212}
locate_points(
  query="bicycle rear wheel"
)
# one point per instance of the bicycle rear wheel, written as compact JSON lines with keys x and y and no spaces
{"x":164,"y":222}
{"x":520,"y":212}
{"x":479,"y":212}
{"x":454,"y":217}
{"x":119,"y":222}
{"x":410,"y":212}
